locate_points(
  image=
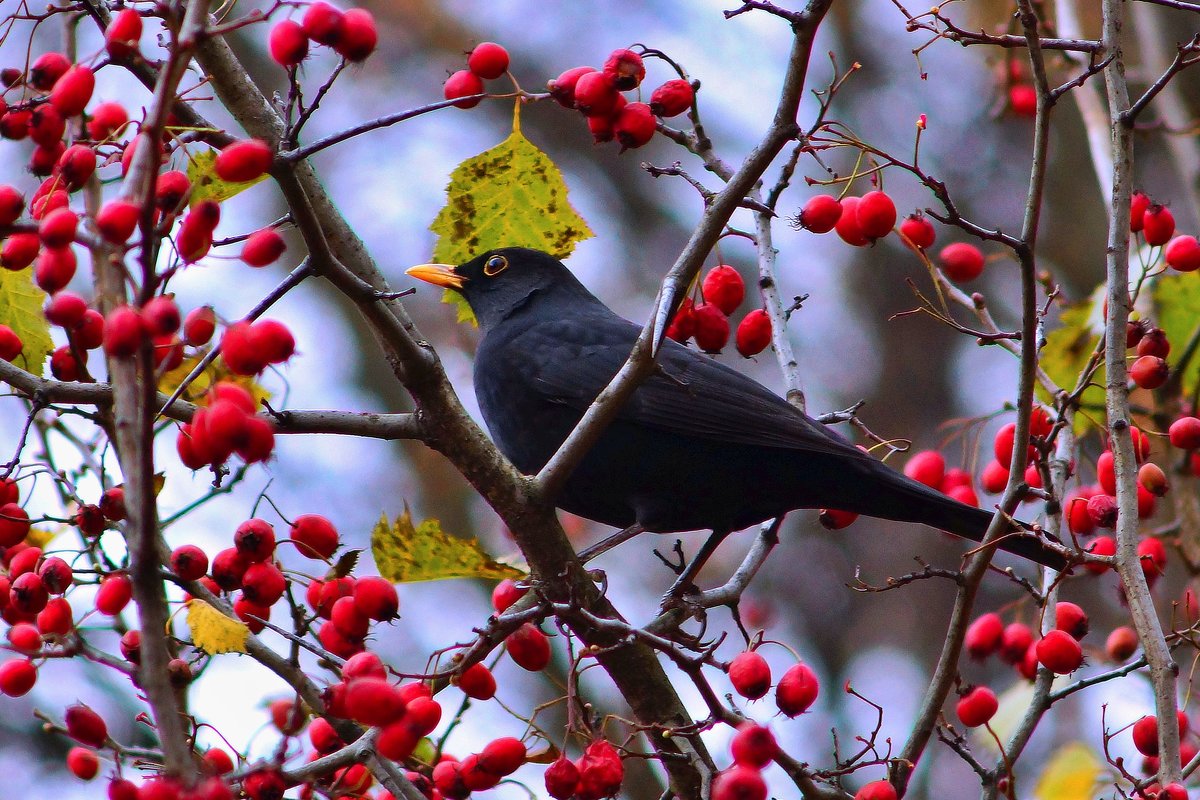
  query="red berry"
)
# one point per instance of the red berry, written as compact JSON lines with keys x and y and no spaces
{"x":927,"y":467}
{"x":57,"y":229}
{"x":1185,"y":433}
{"x":977,"y":707}
{"x":753,"y":745}
{"x":114,"y":594}
{"x":478,"y":682}
{"x":711,"y":328}
{"x":19,"y":250}
{"x":739,"y":782}
{"x":724,"y":288}
{"x":876,"y":790}
{"x":15,"y":124}
{"x":189,"y":562}
{"x":1183,"y":253}
{"x":17,"y":677}
{"x":561,"y":778}
{"x":66,"y":309}
{"x":847,"y":226}
{"x":1153,"y":556}
{"x":349,"y":619}
{"x":1121,"y":643}
{"x":263,"y":248}
{"x":463,"y":83}
{"x":83,"y":763}
{"x":1158,"y":225}
{"x":47,"y":127}
{"x":1149,"y":372}
{"x":76,"y":165}
{"x":595,"y":94}
{"x":1070,"y":618}
{"x":1145,"y":735}
{"x":106,"y":120}
{"x":287,"y":43}
{"x":876,"y":215}
{"x":529,"y":647}
{"x":753,"y":333}
{"x":117,"y":220}
{"x":376,"y":598}
{"x":63,"y":364}
{"x":1154,"y":342}
{"x":985,"y":635}
{"x":1102,"y":508}
{"x":1058,"y":652}
{"x":122,"y":34}
{"x":750,"y":675}
{"x":243,"y":160}
{"x":45,"y":71}
{"x":1022,"y":99}
{"x":365,"y":665}
{"x":73,"y":90}
{"x":171,"y":188}
{"x":199,"y":325}
{"x":1138,"y":204}
{"x":314,"y":536}
{"x":1153,"y":480}
{"x":488,"y":60}
{"x":562,"y":88}
{"x":86,"y":726}
{"x":263,"y":583}
{"x":359,"y":36}
{"x":322,"y":23}
{"x":124,"y":332}
{"x":506,"y":593}
{"x":600,"y":771}
{"x":1101,"y":546}
{"x":57,"y":618}
{"x":160,"y":315}
{"x":962,"y":262}
{"x":625,"y":69}
{"x":26,"y":637}
{"x":672,"y":98}
{"x":11,"y":205}
{"x":797,"y":690}
{"x":14,"y":525}
{"x":502,"y":756}
{"x":918,"y":230}
{"x":323,"y":736}
{"x":374,"y":701}
{"x":633,"y":126}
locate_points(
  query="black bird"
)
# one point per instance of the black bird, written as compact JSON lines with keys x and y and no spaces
{"x":698,"y":446}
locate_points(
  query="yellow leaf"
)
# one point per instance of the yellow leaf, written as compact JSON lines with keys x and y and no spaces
{"x":213,"y":632}
{"x":40,"y":537}
{"x":21,"y":309}
{"x":512,"y":195}
{"x":214,"y":373}
{"x":405,"y":553}
{"x":1177,"y":300}
{"x":1074,"y":773}
{"x":1067,"y":350}
{"x":201,"y":171}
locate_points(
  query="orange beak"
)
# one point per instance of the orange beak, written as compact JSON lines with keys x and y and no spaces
{"x":437,"y":274}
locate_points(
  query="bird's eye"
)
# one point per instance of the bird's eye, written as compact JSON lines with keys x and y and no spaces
{"x":495,"y":265}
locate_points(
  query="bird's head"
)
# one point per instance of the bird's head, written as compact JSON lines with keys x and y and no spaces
{"x":498,"y":282}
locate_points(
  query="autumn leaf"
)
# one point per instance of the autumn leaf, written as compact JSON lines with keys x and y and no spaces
{"x":405,"y":553}
{"x":213,"y":632}
{"x":1069,"y":346}
{"x":21,"y":309}
{"x":197,"y":390}
{"x":512,"y":195}
{"x":1177,"y":301}
{"x":201,"y":171}
{"x":1074,"y":773}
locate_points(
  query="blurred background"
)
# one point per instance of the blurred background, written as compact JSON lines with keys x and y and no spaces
{"x":920,"y":380}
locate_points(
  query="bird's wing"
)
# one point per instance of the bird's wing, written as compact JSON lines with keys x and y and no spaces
{"x":689,"y":393}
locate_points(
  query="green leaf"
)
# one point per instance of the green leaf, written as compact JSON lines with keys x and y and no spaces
{"x":1074,"y":773}
{"x":510,"y":196}
{"x":1068,"y":348}
{"x":405,"y":553}
{"x":21,"y":309}
{"x":202,"y":172}
{"x":1177,"y":300}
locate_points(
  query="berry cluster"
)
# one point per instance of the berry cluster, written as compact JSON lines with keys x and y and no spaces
{"x":795,"y":693}
{"x":351,"y":34}
{"x":596,"y":774}
{"x":487,"y":61}
{"x":1155,"y":224}
{"x":721,"y":293}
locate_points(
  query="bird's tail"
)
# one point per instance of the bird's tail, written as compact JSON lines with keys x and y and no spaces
{"x":907,"y":500}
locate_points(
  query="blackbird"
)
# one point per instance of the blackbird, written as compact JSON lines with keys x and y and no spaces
{"x":698,"y":446}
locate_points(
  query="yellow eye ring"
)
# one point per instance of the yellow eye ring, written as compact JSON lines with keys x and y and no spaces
{"x":495,"y":265}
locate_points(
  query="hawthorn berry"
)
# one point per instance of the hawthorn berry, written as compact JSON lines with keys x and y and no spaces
{"x":876,"y":215}
{"x":28,"y":593}
{"x":358,"y":37}
{"x":287,"y":43}
{"x":847,"y":226}
{"x":753,"y":745}
{"x":753,"y":333}
{"x":15,"y":125}
{"x":1183,"y":253}
{"x":918,"y":230}
{"x":228,"y":567}
{"x":1138,"y":204}
{"x":1059,"y":652}
{"x":1158,"y":225}
{"x":672,"y":98}
{"x":1153,"y":480}
{"x":1184,"y":433}
{"x":562,"y":88}
{"x":55,"y":573}
{"x":1152,"y":554}
{"x":528,"y":647}
{"x":477,"y":682}
{"x":600,"y":771}
{"x":711,"y":328}
{"x":17,"y":677}
{"x":46,"y":69}
{"x":1145,"y":735}
{"x":243,"y":160}
{"x":820,"y":214}
{"x":114,"y":594}
{"x":984,"y":635}
{"x":927,"y":467}
{"x":1121,"y":644}
{"x":962,"y":262}
{"x":85,"y":726}
{"x":189,"y":562}
{"x":124,"y":332}
{"x":73,"y":90}
{"x":1101,"y":546}
{"x":263,"y":247}
{"x":170,"y":189}
{"x":797,"y":690}
{"x":19,"y":250}
{"x":977,"y":707}
{"x":835,"y":519}
{"x":1022,"y":99}
{"x":263,"y":583}
{"x":488,"y":60}
{"x":314,"y":537}
{"x":633,"y":126}
{"x":625,"y":69}
{"x":65,"y":309}
{"x":595,"y":94}
{"x":876,"y":790}
{"x":76,"y":165}
{"x":263,"y":784}
{"x":123,"y":33}
{"x":1149,"y":372}
{"x":83,"y":763}
{"x":25,"y":637}
{"x":1154,"y":342}
{"x":106,"y":120}
{"x":160,"y":315}
{"x":724,"y":288}
{"x":750,"y":675}
{"x":57,"y":618}
{"x":502,"y":756}
{"x":739,"y":782}
{"x":322,"y":23}
{"x":376,"y":598}
{"x":12,"y":203}
{"x":63,"y":364}
{"x":14,"y":525}
{"x":561,"y":778}
{"x":1071,"y":618}
{"x":423,"y":714}
{"x":463,"y":83}
{"x":506,"y":593}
